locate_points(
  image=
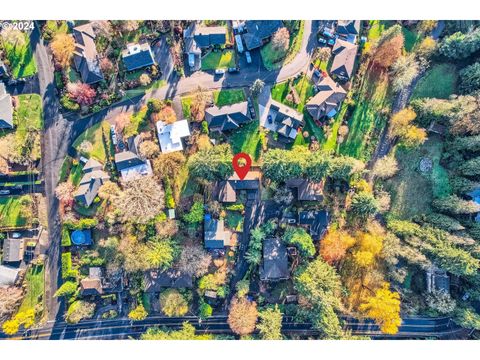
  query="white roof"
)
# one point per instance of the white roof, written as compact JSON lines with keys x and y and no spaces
{"x":8,"y":275}
{"x":137,"y":171}
{"x":170,"y":136}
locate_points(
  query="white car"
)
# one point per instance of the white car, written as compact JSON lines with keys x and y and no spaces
{"x":219,"y":71}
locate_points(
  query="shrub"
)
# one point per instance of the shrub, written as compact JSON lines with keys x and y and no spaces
{"x":67,"y":271}
{"x":205,"y":310}
{"x":68,"y":288}
{"x":173,"y":303}
{"x":139,"y":313}
{"x":196,"y":213}
{"x":66,"y":241}
{"x":169,"y":200}
{"x":79,"y":310}
{"x":204,"y":127}
{"x":68,"y":103}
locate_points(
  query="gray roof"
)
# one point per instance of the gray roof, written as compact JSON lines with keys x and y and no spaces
{"x":344,"y":61}
{"x":8,"y":275}
{"x":329,"y":96}
{"x":287,"y":120}
{"x":6,"y":108}
{"x":216,"y":237}
{"x":133,"y":143}
{"x":127,"y":159}
{"x":275,"y":260}
{"x":346,"y":27}
{"x":227,"y":117}
{"x":197,"y":36}
{"x":137,"y":56}
{"x":226,"y":191}
{"x":307,"y":190}
{"x":316,"y":220}
{"x":86,"y":57}
{"x":13,"y":249}
{"x":91,"y":181}
{"x":258,"y":31}
{"x":92,"y":165}
{"x":156,"y":280}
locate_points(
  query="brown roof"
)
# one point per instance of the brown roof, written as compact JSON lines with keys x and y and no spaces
{"x":86,"y":56}
{"x":345,"y":53}
{"x":13,"y":249}
{"x":329,"y":96}
{"x":91,"y":286}
{"x":225,"y":191}
{"x":307,"y":190}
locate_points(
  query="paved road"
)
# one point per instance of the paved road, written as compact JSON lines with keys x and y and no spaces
{"x":123,"y":328}
{"x":54,"y":149}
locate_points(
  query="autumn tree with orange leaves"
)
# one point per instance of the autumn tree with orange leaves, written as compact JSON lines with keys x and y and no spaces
{"x":242,"y":316}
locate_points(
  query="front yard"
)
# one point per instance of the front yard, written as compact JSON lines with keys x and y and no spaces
{"x":11,"y":212}
{"x":28,"y":115}
{"x":218,"y":60}
{"x":95,"y":136}
{"x":228,"y":97}
{"x":20,"y":57}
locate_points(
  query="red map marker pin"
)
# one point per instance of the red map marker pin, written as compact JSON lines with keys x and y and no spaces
{"x":241,"y":164}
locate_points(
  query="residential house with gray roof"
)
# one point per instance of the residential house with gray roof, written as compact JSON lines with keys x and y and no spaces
{"x":156,"y":280}
{"x":259,"y":31}
{"x":344,"y":61}
{"x":6,"y":108}
{"x":281,"y":119}
{"x":327,"y":100}
{"x":137,"y":56}
{"x":85,"y":56}
{"x":348,"y":29}
{"x":229,"y":117}
{"x":93,"y":178}
{"x":215,"y":235}
{"x":131,"y":166}
{"x":197,"y":37}
{"x":275,"y":261}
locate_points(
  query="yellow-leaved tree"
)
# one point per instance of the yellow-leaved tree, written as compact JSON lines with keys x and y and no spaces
{"x":384,"y":308}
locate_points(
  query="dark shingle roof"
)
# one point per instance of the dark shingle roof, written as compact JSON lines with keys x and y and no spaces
{"x":307,"y":190}
{"x":85,"y":57}
{"x":275,"y":260}
{"x":258,"y":31}
{"x":156,"y":280}
{"x":127,"y":159}
{"x":227,"y":117}
{"x":316,"y":220}
{"x":329,"y":96}
{"x":137,"y":56}
{"x":344,"y":61}
{"x":215,"y":236}
{"x":346,"y":27}
{"x":13,"y":249}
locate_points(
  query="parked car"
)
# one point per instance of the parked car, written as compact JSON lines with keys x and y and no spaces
{"x":16,"y":235}
{"x":114,"y":135}
{"x":327,"y":34}
{"x":4,"y":192}
{"x":331,"y":42}
{"x":233,"y":69}
{"x":219,"y":71}
{"x":317,"y":73}
{"x":322,"y":40}
{"x":269,"y":119}
{"x":248,"y":57}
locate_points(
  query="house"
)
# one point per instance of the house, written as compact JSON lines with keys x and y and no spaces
{"x":131,"y":166}
{"x":437,"y":280}
{"x":93,"y":178}
{"x":344,"y":60}
{"x":282,"y":119}
{"x":226,"y":191}
{"x":137,"y":56}
{"x":13,"y":249}
{"x":197,"y":37}
{"x":306,"y":190}
{"x":316,"y":221}
{"x":8,"y":275}
{"x":155,"y":280}
{"x":348,"y":30}
{"x":92,"y":285}
{"x":215,"y":235}
{"x":328,"y":99}
{"x":6,"y":108}
{"x":228,"y":117}
{"x":85,"y":56}
{"x":275,"y":261}
{"x":170,"y":135}
{"x":259,"y":31}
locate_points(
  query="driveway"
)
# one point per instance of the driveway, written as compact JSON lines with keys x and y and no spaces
{"x":162,"y":56}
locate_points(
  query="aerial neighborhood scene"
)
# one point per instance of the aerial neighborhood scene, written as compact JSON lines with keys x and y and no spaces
{"x":240,"y":179}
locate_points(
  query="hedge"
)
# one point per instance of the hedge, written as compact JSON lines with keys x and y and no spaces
{"x":66,"y":241}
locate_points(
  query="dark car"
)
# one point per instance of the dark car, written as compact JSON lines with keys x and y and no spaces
{"x":317,"y":73}
{"x":233,"y":69}
{"x":270,"y":119}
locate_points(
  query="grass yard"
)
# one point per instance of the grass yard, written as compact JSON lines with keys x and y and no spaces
{"x":95,"y":136}
{"x":186,"y":103}
{"x":247,"y":139}
{"x":142,"y":90}
{"x":412,"y":192}
{"x":228,"y":97}
{"x":273,"y":60}
{"x":20,"y":57}
{"x":331,"y":141}
{"x":218,"y":60}
{"x":367,"y":122}
{"x":11,"y":212}
{"x":139,"y":122}
{"x":234,"y":220}
{"x":76,"y":174}
{"x":440,"y":82}
{"x":54,"y":27}
{"x":29,"y":114}
{"x":35,"y":288}
{"x":411,"y":38}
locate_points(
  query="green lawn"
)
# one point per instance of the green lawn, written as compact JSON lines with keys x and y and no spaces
{"x":11,"y":212}
{"x":411,"y":38}
{"x":234,"y":220}
{"x":29,"y":115}
{"x":331,"y":141}
{"x":20,"y":57}
{"x":367,"y":122}
{"x":411,"y":191}
{"x":76,"y":174}
{"x":186,"y":103}
{"x":273,"y":60}
{"x":142,"y":90}
{"x":138,"y":123}
{"x":439,"y":82}
{"x":247,"y":140}
{"x":35,"y":288}
{"x":228,"y":97}
{"x":94,"y":135}
{"x":302,"y":85}
{"x":218,"y":60}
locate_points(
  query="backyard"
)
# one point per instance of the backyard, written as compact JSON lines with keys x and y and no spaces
{"x":94,"y":135}
{"x":11,"y":212}
{"x":34,"y":295}
{"x":439,"y":82}
{"x":412,"y":191}
{"x":218,"y":60}
{"x":28,"y":115}
{"x":20,"y":57}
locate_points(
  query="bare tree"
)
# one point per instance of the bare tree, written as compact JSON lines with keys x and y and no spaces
{"x":194,"y":261}
{"x":64,"y":191}
{"x":141,"y":200}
